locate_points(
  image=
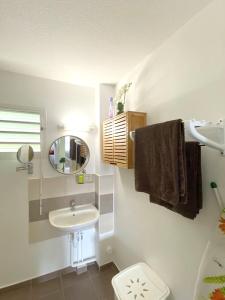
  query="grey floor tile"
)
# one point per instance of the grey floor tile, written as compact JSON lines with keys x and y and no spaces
{"x":93,"y":269}
{"x":103,"y":289}
{"x":107,"y":272}
{"x":81,"y":290}
{"x":91,"y":285}
{"x":72,"y":278}
{"x":43,"y":289}
{"x":102,"y":283}
{"x":23,"y":293}
{"x":53,"y":296}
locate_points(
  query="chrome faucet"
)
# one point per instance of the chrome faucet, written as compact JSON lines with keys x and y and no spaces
{"x":73,"y":205}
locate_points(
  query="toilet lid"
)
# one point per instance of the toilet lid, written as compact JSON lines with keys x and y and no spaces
{"x":139,"y":282}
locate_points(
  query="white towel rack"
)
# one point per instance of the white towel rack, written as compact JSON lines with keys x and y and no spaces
{"x":191,"y":125}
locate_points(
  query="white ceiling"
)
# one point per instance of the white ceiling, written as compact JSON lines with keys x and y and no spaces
{"x":86,"y":41}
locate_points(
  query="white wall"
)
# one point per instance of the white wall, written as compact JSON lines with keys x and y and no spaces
{"x":184,"y":78}
{"x":61,"y":102}
{"x":104,"y":172}
{"x":102,"y":94}
{"x":20,"y":260}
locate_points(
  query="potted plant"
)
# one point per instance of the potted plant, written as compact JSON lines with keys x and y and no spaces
{"x":62,"y":161}
{"x":121,"y":97}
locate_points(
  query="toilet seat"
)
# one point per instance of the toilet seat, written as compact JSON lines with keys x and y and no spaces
{"x":139,"y":282}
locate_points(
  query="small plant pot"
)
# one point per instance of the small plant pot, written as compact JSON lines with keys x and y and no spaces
{"x":120,"y":108}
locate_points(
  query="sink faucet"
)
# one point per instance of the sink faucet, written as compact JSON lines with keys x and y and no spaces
{"x":73,"y":205}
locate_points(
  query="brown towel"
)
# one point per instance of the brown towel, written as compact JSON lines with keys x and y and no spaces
{"x":194,"y":184}
{"x":160,"y":167}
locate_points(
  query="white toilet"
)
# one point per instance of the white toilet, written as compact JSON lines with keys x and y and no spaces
{"x":139,"y":282}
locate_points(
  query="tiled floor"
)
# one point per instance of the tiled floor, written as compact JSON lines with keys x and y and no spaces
{"x":91,"y":285}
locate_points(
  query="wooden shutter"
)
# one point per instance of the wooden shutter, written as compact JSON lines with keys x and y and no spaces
{"x":108,"y":141}
{"x":120,"y":140}
{"x":118,"y":149}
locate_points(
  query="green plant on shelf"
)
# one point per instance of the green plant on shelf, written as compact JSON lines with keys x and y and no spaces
{"x":121,"y":97}
{"x":62,"y":161}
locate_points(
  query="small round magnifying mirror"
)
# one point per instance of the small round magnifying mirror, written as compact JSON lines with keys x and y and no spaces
{"x":25,"y":154}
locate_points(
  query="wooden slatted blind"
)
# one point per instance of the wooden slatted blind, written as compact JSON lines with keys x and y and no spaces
{"x":121,"y":140}
{"x":108,"y":141}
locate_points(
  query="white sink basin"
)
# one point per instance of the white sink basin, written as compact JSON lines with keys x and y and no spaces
{"x":67,"y":220}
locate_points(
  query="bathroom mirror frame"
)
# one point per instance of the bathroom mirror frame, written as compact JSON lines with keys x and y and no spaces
{"x":85,"y":163}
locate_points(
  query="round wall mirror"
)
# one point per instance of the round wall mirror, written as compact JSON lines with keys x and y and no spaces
{"x":25,"y":154}
{"x":69,"y":154}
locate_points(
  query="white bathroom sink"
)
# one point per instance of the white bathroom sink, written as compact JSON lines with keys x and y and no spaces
{"x":67,"y":220}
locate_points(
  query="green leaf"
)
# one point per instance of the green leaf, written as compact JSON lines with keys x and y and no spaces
{"x":215,"y":279}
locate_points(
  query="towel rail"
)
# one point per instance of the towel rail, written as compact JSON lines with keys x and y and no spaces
{"x":191,"y":125}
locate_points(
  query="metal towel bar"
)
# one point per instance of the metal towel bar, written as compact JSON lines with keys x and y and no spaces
{"x":191,"y":125}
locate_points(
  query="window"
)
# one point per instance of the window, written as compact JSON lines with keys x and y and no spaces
{"x":18,"y":128}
